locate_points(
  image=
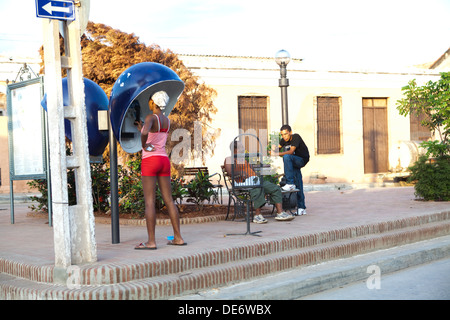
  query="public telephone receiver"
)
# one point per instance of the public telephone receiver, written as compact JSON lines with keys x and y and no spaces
{"x":137,"y":113}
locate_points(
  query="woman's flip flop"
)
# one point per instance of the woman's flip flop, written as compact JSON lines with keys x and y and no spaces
{"x":142,"y":246}
{"x":171,"y":243}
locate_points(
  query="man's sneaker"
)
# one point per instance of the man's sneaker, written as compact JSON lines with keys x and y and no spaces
{"x":301,"y":212}
{"x":288,"y":187}
{"x":259,"y":219}
{"x":284,"y":217}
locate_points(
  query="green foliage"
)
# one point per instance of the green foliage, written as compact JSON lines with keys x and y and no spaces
{"x":274,"y":141}
{"x":432,"y":178}
{"x":41,"y":186}
{"x":71,"y":187}
{"x":131,"y":193}
{"x":100,"y":186}
{"x":100,"y":189}
{"x":273,"y":178}
{"x":433,"y":100}
{"x":178,"y":189}
{"x":272,"y":145}
{"x":435,"y":148}
{"x":200,"y":189}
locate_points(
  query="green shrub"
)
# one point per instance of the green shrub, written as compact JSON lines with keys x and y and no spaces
{"x":41,"y":186}
{"x":178,"y":189}
{"x":132,"y":194}
{"x":432,"y":178}
{"x":200,"y":189}
{"x":100,"y":189}
{"x":100,"y":186}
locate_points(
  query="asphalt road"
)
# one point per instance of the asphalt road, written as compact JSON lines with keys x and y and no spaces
{"x":429,"y":281}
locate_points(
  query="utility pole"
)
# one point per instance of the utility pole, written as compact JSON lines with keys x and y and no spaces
{"x":74,"y":225}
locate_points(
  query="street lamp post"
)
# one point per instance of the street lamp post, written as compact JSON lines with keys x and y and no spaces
{"x":282,"y":58}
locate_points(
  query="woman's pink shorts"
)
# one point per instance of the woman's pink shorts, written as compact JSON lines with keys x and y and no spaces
{"x":155,"y":166}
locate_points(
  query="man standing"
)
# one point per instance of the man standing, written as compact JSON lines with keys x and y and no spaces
{"x":295,"y":156}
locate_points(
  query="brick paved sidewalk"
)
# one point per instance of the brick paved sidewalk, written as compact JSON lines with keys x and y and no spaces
{"x":30,"y":240}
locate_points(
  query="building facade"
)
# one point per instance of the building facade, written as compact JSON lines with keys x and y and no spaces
{"x":347,"y":118}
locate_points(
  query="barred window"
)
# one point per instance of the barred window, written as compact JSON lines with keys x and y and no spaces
{"x":328,"y":125}
{"x":417,"y":131}
{"x":252,"y":113}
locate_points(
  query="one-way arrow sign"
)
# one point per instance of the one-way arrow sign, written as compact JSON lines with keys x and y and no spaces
{"x":56,"y":9}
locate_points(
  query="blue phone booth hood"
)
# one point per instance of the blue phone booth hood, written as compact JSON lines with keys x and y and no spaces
{"x":95,"y":99}
{"x":130,"y":95}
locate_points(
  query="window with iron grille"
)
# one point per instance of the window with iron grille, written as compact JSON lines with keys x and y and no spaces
{"x":252,"y":113}
{"x":417,"y":131}
{"x":328,"y":125}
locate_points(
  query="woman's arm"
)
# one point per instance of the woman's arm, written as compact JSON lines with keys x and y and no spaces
{"x":148,"y":123}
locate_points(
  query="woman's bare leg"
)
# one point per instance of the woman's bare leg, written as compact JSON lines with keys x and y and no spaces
{"x":149,"y":188}
{"x":166,"y":191}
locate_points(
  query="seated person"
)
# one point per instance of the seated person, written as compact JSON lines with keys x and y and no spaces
{"x":249,"y":178}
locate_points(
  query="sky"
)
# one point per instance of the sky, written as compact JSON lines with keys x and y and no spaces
{"x":364,"y":33}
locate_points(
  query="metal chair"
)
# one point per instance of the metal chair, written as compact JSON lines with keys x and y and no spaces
{"x":237,"y":205}
{"x":246,"y":175}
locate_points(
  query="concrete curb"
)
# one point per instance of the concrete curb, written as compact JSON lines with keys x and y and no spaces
{"x":305,"y":281}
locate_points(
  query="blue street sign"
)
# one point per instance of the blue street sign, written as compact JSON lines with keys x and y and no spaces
{"x":56,"y":9}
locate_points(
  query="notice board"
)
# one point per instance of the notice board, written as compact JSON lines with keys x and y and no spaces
{"x":26,"y":130}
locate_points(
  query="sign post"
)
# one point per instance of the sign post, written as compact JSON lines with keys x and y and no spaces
{"x":74,"y":225}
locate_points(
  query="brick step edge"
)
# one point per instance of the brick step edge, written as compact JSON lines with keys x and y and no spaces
{"x":120,"y":273}
{"x":305,"y":281}
{"x":188,"y":282}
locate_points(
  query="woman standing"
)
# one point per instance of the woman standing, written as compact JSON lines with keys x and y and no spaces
{"x":155,"y":168}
